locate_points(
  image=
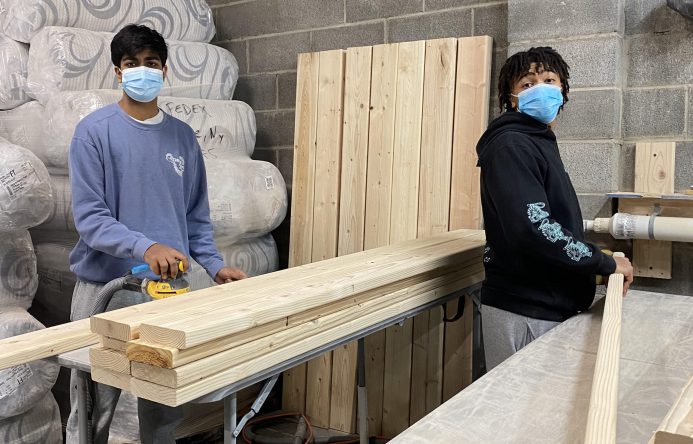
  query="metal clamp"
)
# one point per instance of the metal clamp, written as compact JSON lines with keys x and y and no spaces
{"x":650,"y":226}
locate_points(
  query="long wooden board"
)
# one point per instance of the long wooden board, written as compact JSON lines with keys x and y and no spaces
{"x":111,"y":360}
{"x":119,"y":380}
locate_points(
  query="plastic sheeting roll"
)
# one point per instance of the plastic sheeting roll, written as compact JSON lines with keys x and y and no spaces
{"x":61,"y":218}
{"x":40,"y":425}
{"x":21,"y":387}
{"x":56,"y":282}
{"x":68,"y":59}
{"x":18,"y":275}
{"x":223,"y":127}
{"x":21,"y":126}
{"x":13,"y":70}
{"x":25,"y":189}
{"x":187,"y":20}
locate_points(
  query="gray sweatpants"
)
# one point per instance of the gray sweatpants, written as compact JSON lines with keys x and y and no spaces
{"x":505,"y":333}
{"x":157,"y":422}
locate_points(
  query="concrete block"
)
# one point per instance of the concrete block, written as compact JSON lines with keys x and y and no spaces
{"x":493,"y":21}
{"x":453,"y":23}
{"x":690,"y":113}
{"x":287,"y":90}
{"x":594,"y":205}
{"x":285,"y":163}
{"x":277,"y":53}
{"x":432,"y":5}
{"x":239,"y":50}
{"x":275,"y":128}
{"x":593,"y":62}
{"x":260,"y":17}
{"x":359,"y":10}
{"x":591,"y":115}
{"x":499,"y":58}
{"x":654,"y":112}
{"x":258,"y":91}
{"x":683,"y":176}
{"x":653,"y":16}
{"x":592,"y":167}
{"x":656,"y":60}
{"x":539,"y":19}
{"x":348,"y":36}
{"x":627,"y":182}
{"x":680,"y":282}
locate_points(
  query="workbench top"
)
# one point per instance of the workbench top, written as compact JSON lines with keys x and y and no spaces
{"x":542,"y":393}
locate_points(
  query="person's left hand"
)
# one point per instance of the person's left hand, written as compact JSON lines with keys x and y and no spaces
{"x":229,"y":274}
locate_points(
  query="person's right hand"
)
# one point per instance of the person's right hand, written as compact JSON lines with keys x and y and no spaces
{"x":624,"y":267}
{"x":163,"y":260}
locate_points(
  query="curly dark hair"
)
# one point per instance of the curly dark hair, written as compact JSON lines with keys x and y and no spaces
{"x":517,"y":66}
{"x":133,"y":39}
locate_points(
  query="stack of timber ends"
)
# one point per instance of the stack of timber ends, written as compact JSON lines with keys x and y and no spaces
{"x":677,"y":425}
{"x":110,"y":367}
{"x":654,"y":173}
{"x":45,"y":343}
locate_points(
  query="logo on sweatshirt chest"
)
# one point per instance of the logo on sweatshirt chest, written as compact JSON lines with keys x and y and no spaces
{"x":177,"y":162}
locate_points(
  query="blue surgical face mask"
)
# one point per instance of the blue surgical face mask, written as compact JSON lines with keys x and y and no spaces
{"x":142,"y":84}
{"x":541,"y":102}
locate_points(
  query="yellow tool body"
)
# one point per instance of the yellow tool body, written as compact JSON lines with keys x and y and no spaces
{"x":165,"y":288}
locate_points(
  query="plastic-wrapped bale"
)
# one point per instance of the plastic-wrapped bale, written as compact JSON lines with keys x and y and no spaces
{"x":56,"y":282}
{"x":23,"y":386}
{"x":18,"y":272}
{"x":61,"y":218}
{"x":26,"y":194}
{"x":69,"y":59}
{"x":21,"y":126}
{"x":13,"y":70}
{"x":247,"y":198}
{"x":223,"y":127}
{"x":40,"y":425}
{"x":187,"y":20}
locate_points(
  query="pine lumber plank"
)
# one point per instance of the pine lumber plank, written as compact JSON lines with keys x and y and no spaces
{"x":396,"y":396}
{"x":601,"y":418}
{"x":457,"y":363}
{"x":45,"y":343}
{"x":173,"y":397}
{"x":119,"y":380}
{"x":195,"y":326}
{"x":381,"y":138}
{"x":654,"y":173}
{"x":303,"y":185}
{"x":189,"y":373}
{"x":473,"y":86}
{"x":433,"y":213}
{"x":113,"y":344}
{"x":111,"y":360}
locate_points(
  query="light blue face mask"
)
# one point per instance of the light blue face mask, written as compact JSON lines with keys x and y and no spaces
{"x":541,"y":102}
{"x":142,"y":84}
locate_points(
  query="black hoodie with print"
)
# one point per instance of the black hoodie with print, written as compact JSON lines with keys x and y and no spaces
{"x":537,"y":261}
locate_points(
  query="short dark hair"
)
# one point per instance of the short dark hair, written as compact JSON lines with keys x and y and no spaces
{"x":134,"y":39}
{"x":518,"y":64}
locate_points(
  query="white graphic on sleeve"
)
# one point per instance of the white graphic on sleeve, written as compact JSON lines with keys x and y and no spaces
{"x":177,"y":162}
{"x":553,"y":232}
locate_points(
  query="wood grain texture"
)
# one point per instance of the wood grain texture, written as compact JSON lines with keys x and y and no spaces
{"x":113,"y":344}
{"x":111,"y":360}
{"x":119,"y":380}
{"x":601,"y":418}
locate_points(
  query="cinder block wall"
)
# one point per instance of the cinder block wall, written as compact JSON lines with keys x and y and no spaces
{"x":266,"y":37}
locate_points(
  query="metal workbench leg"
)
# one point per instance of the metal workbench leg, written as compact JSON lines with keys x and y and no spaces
{"x":230,"y":411}
{"x":362,"y":394}
{"x":82,"y":414}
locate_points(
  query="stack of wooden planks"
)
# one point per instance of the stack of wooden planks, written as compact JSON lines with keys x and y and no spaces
{"x":384,"y":152}
{"x":176,"y":350}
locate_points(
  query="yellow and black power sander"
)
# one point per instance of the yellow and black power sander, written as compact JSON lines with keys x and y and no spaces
{"x":157,"y":289}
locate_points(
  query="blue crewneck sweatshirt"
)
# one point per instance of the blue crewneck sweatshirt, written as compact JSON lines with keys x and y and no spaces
{"x":133,"y":185}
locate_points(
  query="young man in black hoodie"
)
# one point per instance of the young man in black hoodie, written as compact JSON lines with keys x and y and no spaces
{"x":539,"y":269}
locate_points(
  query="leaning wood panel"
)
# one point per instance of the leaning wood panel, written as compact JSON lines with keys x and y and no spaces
{"x":601,"y":419}
{"x":45,"y":343}
{"x":433,"y":212}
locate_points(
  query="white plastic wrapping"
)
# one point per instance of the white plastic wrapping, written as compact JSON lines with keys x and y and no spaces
{"x":18,"y":275}
{"x":187,"y":20}
{"x":56,"y":282}
{"x":21,"y":387}
{"x":23,"y":126}
{"x":61,"y":218}
{"x":25,"y":188}
{"x":224,"y":127}
{"x":69,"y":59}
{"x":40,"y":425}
{"x":13,"y":70}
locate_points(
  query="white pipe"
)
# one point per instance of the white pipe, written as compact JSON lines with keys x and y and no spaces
{"x":628,"y":226}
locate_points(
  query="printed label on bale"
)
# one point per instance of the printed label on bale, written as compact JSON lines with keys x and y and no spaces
{"x":17,"y":180}
{"x":221,"y":211}
{"x":12,"y":378}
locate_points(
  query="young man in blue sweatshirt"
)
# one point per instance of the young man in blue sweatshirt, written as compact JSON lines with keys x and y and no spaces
{"x":139,"y":195}
{"x":539,"y":269}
